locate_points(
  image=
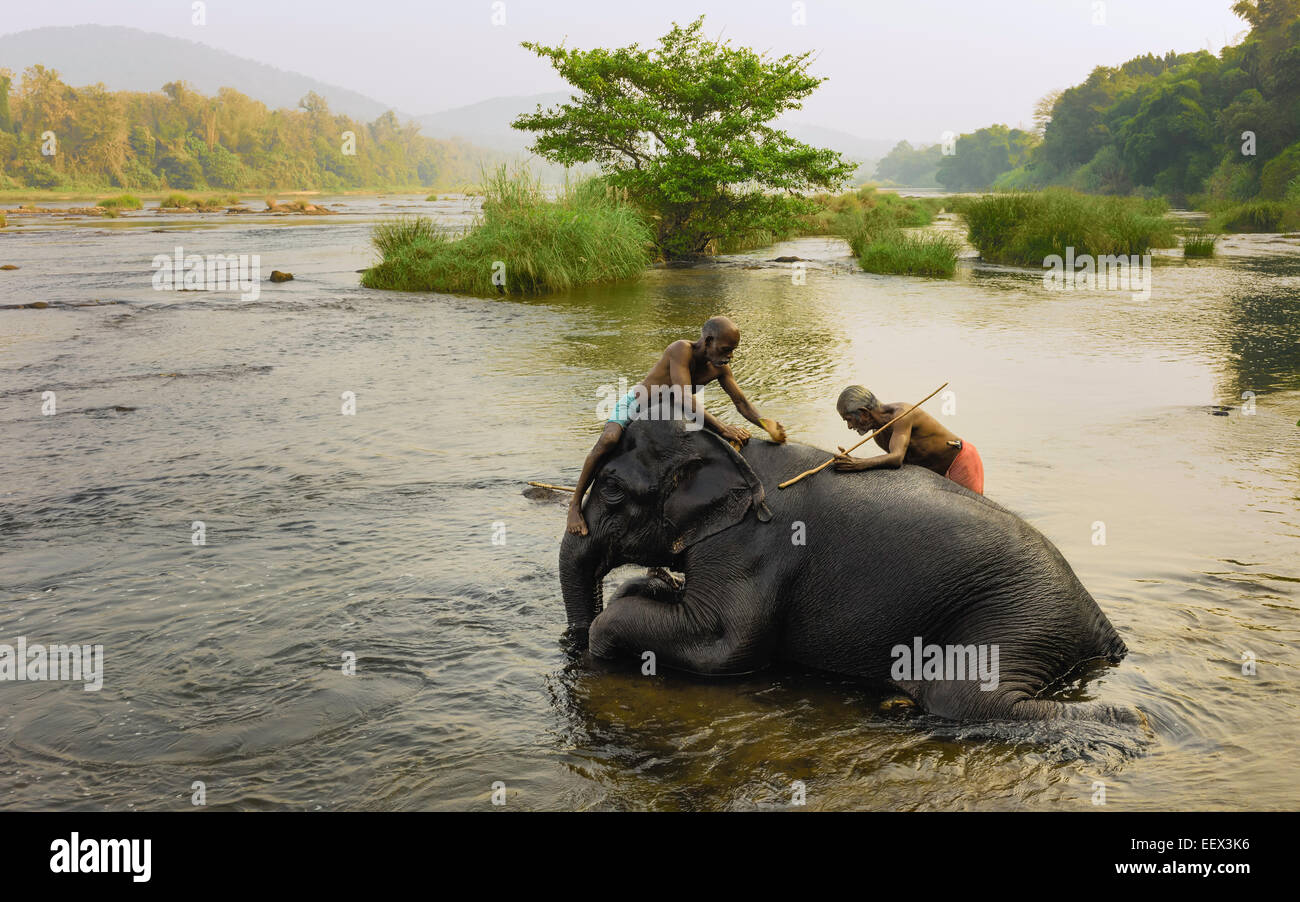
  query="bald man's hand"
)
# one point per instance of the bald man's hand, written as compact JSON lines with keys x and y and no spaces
{"x":774,"y":429}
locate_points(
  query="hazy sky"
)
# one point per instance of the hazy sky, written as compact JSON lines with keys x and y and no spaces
{"x":897,"y":68}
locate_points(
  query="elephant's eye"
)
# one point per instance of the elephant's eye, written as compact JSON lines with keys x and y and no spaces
{"x":611,"y":492}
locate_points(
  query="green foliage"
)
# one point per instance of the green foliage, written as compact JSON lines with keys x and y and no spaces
{"x":36,"y":173}
{"x":1176,"y":124}
{"x":1028,"y":228}
{"x":1023,"y":178}
{"x":896,"y":252}
{"x":914,"y":167}
{"x":391,"y":236}
{"x":873,"y":225}
{"x":1199,"y":244}
{"x":1254,"y":216}
{"x":121,"y":202}
{"x":841,"y":214}
{"x":585,"y":235}
{"x":979,"y":158}
{"x":6,"y":119}
{"x":684,"y":128}
{"x":1280,"y":173}
{"x":1105,"y":173}
{"x":178,"y":138}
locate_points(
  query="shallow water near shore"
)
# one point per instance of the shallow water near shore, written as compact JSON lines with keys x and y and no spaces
{"x":372,"y":534}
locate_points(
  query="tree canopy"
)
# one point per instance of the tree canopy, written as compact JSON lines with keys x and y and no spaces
{"x":179,"y":138}
{"x":685,"y":128}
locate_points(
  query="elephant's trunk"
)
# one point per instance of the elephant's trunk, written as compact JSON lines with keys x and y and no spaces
{"x":581,"y":572}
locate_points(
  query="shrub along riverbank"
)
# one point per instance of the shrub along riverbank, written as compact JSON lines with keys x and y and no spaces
{"x":529,"y":241}
{"x":1256,"y":216}
{"x":525,"y":244}
{"x":1027,"y":228}
{"x":873,"y":224}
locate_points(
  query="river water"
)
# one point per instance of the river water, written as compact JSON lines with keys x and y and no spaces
{"x":372,"y":535}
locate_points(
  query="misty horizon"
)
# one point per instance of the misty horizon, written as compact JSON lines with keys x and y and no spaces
{"x":379,"y":56}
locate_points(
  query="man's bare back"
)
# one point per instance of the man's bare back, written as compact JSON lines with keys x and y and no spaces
{"x":679,"y":352}
{"x":689,"y":366}
{"x":930,"y":445}
{"x":917,"y":438}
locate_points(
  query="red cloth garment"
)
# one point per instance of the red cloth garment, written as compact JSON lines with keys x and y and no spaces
{"x":967,"y":468}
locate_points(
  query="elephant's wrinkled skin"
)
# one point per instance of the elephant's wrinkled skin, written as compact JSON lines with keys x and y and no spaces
{"x":890,"y":555}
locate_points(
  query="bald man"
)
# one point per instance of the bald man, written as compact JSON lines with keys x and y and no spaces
{"x":688,"y":366}
{"x":917,"y":438}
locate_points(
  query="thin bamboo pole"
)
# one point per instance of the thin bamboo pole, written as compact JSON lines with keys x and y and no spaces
{"x":874,"y":432}
{"x":558,"y":488}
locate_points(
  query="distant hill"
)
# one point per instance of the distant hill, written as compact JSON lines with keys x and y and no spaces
{"x":128,"y":59}
{"x":487,"y":123}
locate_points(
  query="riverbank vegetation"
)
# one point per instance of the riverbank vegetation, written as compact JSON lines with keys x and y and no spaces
{"x":121,"y":202}
{"x":54,"y":137}
{"x":525,"y":243}
{"x":900,"y":253}
{"x":1218,"y":133}
{"x":875,"y":232}
{"x":839,"y":214}
{"x":1256,"y":216}
{"x":1026,"y":228}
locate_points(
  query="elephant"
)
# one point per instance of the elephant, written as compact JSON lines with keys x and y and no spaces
{"x":889,"y":562}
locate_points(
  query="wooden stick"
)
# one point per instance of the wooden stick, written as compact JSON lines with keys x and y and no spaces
{"x":790,"y":482}
{"x":558,"y":488}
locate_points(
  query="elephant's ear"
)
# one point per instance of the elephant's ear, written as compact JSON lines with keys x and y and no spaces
{"x":713,"y":490}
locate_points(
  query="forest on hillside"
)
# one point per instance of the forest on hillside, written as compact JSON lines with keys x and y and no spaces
{"x":1221,"y":129}
{"x":54,"y":136}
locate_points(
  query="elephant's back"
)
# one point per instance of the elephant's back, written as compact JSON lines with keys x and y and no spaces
{"x":899,"y":553}
{"x":871,"y":494}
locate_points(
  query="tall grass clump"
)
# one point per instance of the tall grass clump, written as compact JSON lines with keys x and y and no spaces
{"x":1027,"y":228}
{"x":121,"y":202}
{"x":391,"y":236}
{"x":582,"y":235}
{"x":896,"y":252}
{"x":838,"y":213}
{"x":1254,"y":216}
{"x":1199,"y":244}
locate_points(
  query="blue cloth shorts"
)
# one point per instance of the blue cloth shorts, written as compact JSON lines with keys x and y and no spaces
{"x":626,"y":409}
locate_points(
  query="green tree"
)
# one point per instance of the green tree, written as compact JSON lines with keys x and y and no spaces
{"x":6,"y":120}
{"x":912,"y":166}
{"x":684,"y":127}
{"x":984,"y":155}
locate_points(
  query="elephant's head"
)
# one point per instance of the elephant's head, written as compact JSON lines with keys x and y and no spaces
{"x":664,"y":488}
